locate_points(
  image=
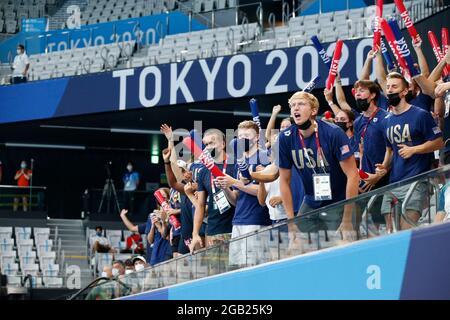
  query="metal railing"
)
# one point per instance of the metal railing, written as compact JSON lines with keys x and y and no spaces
{"x":8,"y":194}
{"x":307,"y":233}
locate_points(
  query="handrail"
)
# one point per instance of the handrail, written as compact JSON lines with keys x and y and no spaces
{"x":90,"y":285}
{"x":272,"y":21}
{"x":285,"y":13}
{"x":94,"y":284}
{"x":6,"y":186}
{"x":372,"y":194}
{"x":230,"y":41}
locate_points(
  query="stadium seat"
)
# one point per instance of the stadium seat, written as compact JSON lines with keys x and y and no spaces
{"x":6,"y":244}
{"x":7,"y":257}
{"x":10,"y":269}
{"x":27,"y":257}
{"x":31,"y":269}
{"x":14,"y":280}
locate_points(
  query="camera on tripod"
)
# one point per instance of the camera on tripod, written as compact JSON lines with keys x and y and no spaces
{"x":109,"y":191}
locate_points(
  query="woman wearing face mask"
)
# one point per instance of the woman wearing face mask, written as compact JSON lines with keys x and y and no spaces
{"x":344,"y":120}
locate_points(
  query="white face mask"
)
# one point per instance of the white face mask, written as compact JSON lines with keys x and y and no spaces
{"x":130,"y":168}
{"x":19,"y":51}
{"x":115,"y":272}
{"x":128,"y":271}
{"x":104,"y":274}
{"x":139,"y":267}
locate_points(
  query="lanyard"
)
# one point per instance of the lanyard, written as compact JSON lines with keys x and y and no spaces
{"x":224,"y":170}
{"x":319,"y":149}
{"x":368,"y":122}
{"x":361,"y":153}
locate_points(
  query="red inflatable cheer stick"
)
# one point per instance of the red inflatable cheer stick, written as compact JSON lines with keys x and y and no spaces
{"x":203,"y":156}
{"x":334,"y":65}
{"x":408,"y":22}
{"x":391,"y":40}
{"x":377,"y":29}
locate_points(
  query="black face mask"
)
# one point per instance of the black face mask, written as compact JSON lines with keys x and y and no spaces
{"x":394,"y":99}
{"x":362,"y":104}
{"x":342,"y":125}
{"x":409,"y":96}
{"x":305,"y":125}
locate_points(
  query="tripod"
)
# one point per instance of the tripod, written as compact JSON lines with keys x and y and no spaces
{"x":109,"y":191}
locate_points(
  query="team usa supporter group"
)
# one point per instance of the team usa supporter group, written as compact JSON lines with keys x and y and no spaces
{"x":227,"y":186}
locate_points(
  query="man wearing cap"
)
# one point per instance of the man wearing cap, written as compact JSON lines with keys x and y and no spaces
{"x":139,"y":263}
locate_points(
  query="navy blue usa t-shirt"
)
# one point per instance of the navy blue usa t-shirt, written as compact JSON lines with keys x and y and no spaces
{"x":161,"y":250}
{"x":248,"y":210}
{"x":374,"y":146}
{"x":413,"y":127}
{"x":144,"y":229}
{"x":186,"y":219}
{"x":298,"y":192}
{"x":217,"y":223}
{"x":335,"y":147}
{"x":422,"y":101}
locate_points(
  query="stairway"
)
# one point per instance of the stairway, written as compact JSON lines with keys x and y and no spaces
{"x":60,"y":17}
{"x":73,"y":245}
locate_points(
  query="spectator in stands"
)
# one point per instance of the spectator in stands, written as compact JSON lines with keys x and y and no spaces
{"x":1,"y":171}
{"x":154,"y":230}
{"x":131,"y":183}
{"x":249,"y":214}
{"x":118,"y":268}
{"x":317,"y":147}
{"x":107,"y":272}
{"x":159,"y":233}
{"x":143,"y":229}
{"x":100,"y":243}
{"x":129,"y":266}
{"x":187,"y":189}
{"x":344,"y":119}
{"x":134,"y":244}
{"x":220,"y":215}
{"x":411,"y":137}
{"x":23,"y":176}
{"x":20,"y":66}
{"x":139,"y":263}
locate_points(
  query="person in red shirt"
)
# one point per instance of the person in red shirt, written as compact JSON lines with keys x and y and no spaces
{"x":134,"y":242}
{"x":23,"y":176}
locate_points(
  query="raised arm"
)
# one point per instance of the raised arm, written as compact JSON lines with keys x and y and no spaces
{"x":171,"y":179}
{"x":423,"y":64}
{"x":271,"y":125}
{"x":380,"y":72}
{"x":340,"y":96}
{"x":367,"y":67}
{"x":130,"y":226}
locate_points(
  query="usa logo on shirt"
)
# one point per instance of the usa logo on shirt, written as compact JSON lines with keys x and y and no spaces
{"x":344,"y":149}
{"x":436,"y":130}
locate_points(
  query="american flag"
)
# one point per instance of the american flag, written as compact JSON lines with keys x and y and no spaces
{"x":345,"y":149}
